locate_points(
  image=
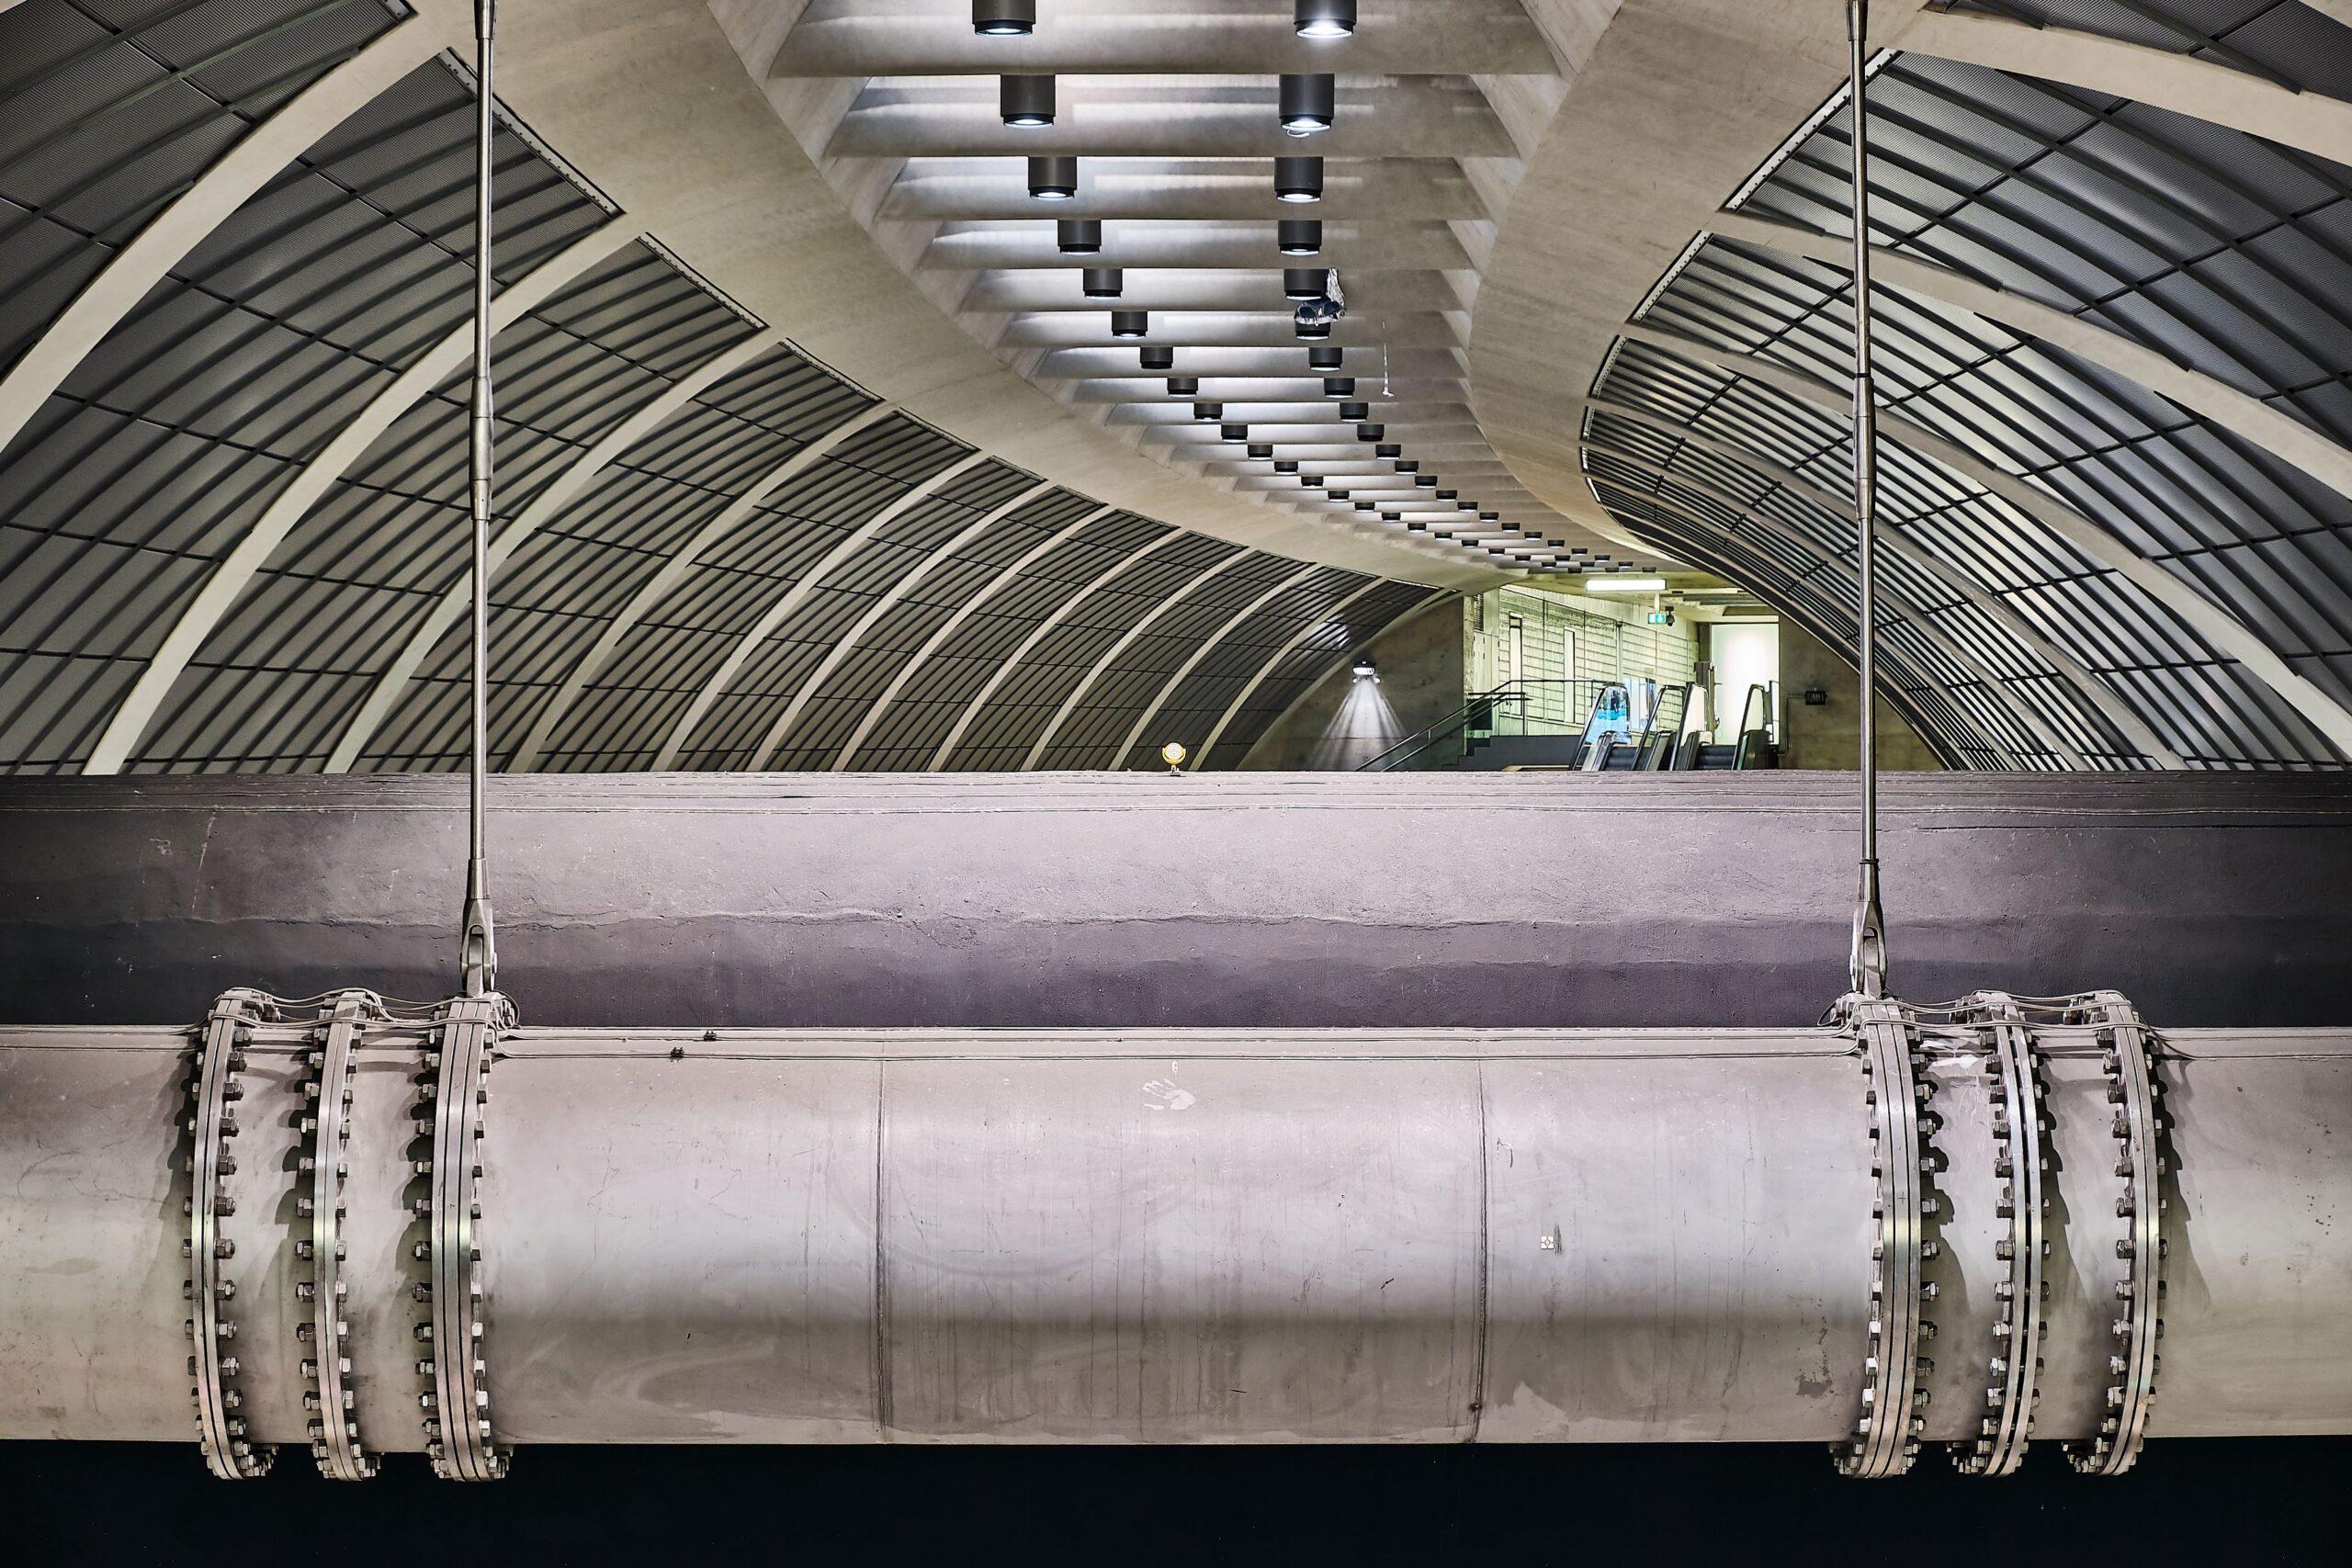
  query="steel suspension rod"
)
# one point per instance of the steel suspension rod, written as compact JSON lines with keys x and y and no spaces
{"x":478,"y":957}
{"x":1868,"y":967}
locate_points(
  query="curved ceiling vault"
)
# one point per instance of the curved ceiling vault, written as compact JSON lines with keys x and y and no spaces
{"x":2112,"y":267}
{"x":234,"y":275}
{"x":814,"y":454}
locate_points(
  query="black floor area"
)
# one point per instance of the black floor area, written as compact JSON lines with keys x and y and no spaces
{"x":2235,"y":1502}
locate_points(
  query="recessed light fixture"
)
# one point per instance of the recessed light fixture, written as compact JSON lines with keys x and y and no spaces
{"x":1261,"y":449}
{"x":1299,"y":236}
{"x":1079,"y":236}
{"x":1354,"y":414}
{"x":1026,"y":102}
{"x":1183,"y":386}
{"x":1102,"y":282}
{"x":1326,"y":360}
{"x":1130,"y":323}
{"x":1325,"y":20}
{"x":1304,"y":282}
{"x":1309,"y":103}
{"x":1013,"y":19}
{"x":1296,"y":179}
{"x":1156,"y":359}
{"x":1053,"y":179}
{"x":1209,"y":412}
{"x":1627,"y":585}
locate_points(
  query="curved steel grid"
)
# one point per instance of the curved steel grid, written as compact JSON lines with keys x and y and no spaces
{"x":1336,"y":635}
{"x":2229,"y":255}
{"x":108,"y":112}
{"x":172,"y":435}
{"x":2287,"y":44}
{"x":298,"y":310}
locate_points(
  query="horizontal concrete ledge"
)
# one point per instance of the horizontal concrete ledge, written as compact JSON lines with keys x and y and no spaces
{"x":1136,"y":900}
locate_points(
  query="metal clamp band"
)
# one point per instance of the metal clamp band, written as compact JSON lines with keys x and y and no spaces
{"x":2021,"y":1165}
{"x":1887,"y":1431}
{"x":212,"y":1125}
{"x":2133,"y":1090}
{"x":456,"y":1400}
{"x":334,"y":1425}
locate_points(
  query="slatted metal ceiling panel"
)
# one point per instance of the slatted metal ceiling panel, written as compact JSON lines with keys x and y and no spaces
{"x":1202,"y":697}
{"x":171,"y":437}
{"x":2289,"y":43}
{"x":911,"y":730}
{"x":107,"y":112}
{"x":2230,"y":255}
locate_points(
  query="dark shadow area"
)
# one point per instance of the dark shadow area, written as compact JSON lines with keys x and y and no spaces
{"x":2257,"y":1501}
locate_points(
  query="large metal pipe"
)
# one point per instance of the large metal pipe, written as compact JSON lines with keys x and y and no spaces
{"x":700,"y":1236}
{"x":1388,"y":901}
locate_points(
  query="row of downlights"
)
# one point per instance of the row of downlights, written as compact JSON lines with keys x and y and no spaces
{"x":1308,"y":104}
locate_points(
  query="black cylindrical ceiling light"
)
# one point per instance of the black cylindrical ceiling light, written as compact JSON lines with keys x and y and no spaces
{"x":1309,"y":103}
{"x":1296,"y":179}
{"x":1285,"y":466}
{"x":1299,"y":236}
{"x":1130,"y":323}
{"x":1103,"y":282}
{"x":1405,"y":465}
{"x":1447,"y":494}
{"x":1339,"y":386}
{"x":1363,"y":506}
{"x":1014,"y":19}
{"x":1183,"y":386}
{"x":1313,"y":331}
{"x":1467,"y":505}
{"x":1208,"y":412}
{"x":1156,"y":359}
{"x":1026,"y":102}
{"x":1417,"y":527}
{"x":1311,"y":481}
{"x":1304,"y":282}
{"x":1390,"y":518}
{"x":1261,"y":449}
{"x":1232,"y":430}
{"x":1372,"y":433}
{"x":1079,"y":236}
{"x":1354,"y":414}
{"x":1326,"y":19}
{"x":1053,"y":179}
{"x":1388,"y":449}
{"x":1326,"y":360}
{"x":1426,"y":482}
{"x":1490,"y":517}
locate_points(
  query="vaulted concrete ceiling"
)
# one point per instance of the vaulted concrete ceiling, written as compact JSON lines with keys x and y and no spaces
{"x":1170,"y":109}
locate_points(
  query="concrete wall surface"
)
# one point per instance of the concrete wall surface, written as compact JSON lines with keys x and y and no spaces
{"x":1535,"y":899}
{"x":1828,"y":735}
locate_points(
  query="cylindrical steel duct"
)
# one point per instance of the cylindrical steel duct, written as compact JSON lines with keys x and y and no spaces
{"x":694,"y":1236}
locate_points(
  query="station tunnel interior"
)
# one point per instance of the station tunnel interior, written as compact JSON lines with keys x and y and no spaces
{"x":1035,"y":635}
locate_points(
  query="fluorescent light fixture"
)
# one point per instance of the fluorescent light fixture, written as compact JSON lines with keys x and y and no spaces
{"x":1625,"y":585}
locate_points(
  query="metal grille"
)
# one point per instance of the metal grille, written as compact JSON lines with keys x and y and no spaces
{"x":2287,"y":42}
{"x":175,"y":433}
{"x":109,"y":113}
